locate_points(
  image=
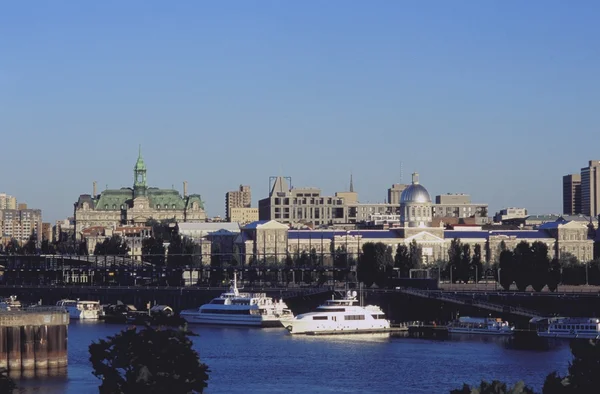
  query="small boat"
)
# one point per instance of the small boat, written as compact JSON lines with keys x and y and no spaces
{"x":116,"y":313}
{"x":339,"y":316}
{"x":239,"y":309}
{"x":10,"y":304}
{"x":568,"y":327}
{"x":480,"y":325}
{"x":81,"y":310}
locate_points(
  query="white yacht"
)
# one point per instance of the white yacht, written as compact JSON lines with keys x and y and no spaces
{"x":240,"y":309}
{"x":480,"y":325}
{"x":568,"y":327}
{"x":339,"y":316}
{"x":10,"y":303}
{"x":82,"y":310}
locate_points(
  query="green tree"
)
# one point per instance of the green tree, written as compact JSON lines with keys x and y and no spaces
{"x":148,"y":361}
{"x":30,"y":246}
{"x":476,"y":264}
{"x":506,"y":269}
{"x":402,"y":260}
{"x":554,"y":275}
{"x":48,"y":247}
{"x":583,"y":373}
{"x":416,"y":255}
{"x":454,"y":259}
{"x":113,"y":246}
{"x":153,"y":251}
{"x":373,"y":262}
{"x":523,"y":258}
{"x":180,"y":252}
{"x":464,"y":271}
{"x":12,"y":247}
{"x":540,"y":265}
{"x":495,"y":387}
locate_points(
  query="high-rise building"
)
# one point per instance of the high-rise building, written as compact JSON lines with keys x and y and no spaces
{"x":21,"y":224}
{"x":572,"y":194}
{"x":395,"y":192}
{"x":7,"y":202}
{"x":590,"y":189}
{"x":241,"y":198}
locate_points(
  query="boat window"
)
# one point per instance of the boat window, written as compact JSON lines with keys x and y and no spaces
{"x":226,"y":311}
{"x":331,"y":309}
{"x":217,"y":301}
{"x":319,"y":317}
{"x":354,"y":317}
{"x":378,"y":317}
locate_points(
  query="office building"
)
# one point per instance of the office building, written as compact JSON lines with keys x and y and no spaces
{"x":7,"y":202}
{"x":395,"y":192}
{"x":590,"y":189}
{"x":572,"y":194}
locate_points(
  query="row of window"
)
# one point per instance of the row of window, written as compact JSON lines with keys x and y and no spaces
{"x":226,"y":311}
{"x":575,"y":327}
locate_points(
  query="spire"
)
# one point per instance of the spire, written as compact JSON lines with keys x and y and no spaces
{"x":351,"y":184}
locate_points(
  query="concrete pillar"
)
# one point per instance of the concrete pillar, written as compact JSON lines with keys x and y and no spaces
{"x":14,"y":348}
{"x":62,"y":357}
{"x":52,"y":346}
{"x":3,"y":348}
{"x":41,"y":347}
{"x":27,"y":348}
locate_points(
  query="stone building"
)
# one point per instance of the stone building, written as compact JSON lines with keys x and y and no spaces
{"x":136,"y":205}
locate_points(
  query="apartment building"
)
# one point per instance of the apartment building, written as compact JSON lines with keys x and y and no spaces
{"x":572,"y":194}
{"x":20,"y":224}
{"x":243,"y":215}
{"x":459,"y":205}
{"x":241,"y":198}
{"x":7,"y":202}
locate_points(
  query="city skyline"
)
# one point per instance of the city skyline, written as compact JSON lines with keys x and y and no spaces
{"x":474,"y":97}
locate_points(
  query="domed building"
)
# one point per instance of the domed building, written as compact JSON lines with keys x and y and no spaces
{"x":415,"y":205}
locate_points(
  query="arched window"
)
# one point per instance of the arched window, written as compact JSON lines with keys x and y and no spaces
{"x":106,"y":206}
{"x":157,"y":206}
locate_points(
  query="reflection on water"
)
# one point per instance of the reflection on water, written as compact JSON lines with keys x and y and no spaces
{"x":50,"y":381}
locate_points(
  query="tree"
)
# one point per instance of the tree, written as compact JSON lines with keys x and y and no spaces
{"x":402,"y":261}
{"x":148,"y":361}
{"x":30,"y":246}
{"x":373,"y":263}
{"x":523,"y":256}
{"x":416,"y":255}
{"x":584,"y":371}
{"x":506,"y":269}
{"x":7,"y":385}
{"x":113,"y":246}
{"x":153,"y":251}
{"x":465,"y":263}
{"x":540,"y":265}
{"x":554,"y":275}
{"x":12,"y":247}
{"x":47,"y":247}
{"x":454,"y":259}
{"x":496,"y":387}
{"x":180,"y":251}
{"x":476,"y":264}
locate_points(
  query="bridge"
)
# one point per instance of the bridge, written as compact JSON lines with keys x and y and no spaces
{"x":462,"y":300}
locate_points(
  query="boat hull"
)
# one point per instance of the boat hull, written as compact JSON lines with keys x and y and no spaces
{"x":231,"y":320}
{"x":568,"y":335}
{"x":479,"y":331}
{"x":296,"y":327}
{"x":83,"y":315}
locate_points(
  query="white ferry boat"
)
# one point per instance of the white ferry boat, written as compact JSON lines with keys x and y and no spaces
{"x":240,"y":309}
{"x":480,"y":325}
{"x":82,"y":310}
{"x":568,"y":327}
{"x":339,"y":316}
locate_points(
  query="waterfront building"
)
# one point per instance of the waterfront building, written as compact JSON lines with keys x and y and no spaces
{"x":241,"y":198}
{"x":136,"y":205}
{"x":572,"y":194}
{"x":590,"y":188}
{"x":7,"y":202}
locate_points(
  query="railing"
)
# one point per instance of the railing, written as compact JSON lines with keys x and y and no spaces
{"x":33,"y":310}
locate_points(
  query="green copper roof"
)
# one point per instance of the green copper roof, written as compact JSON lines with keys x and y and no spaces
{"x":113,"y":199}
{"x":165,"y":198}
{"x":139,"y":164}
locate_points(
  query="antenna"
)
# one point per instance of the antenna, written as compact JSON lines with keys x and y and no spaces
{"x":401,"y":171}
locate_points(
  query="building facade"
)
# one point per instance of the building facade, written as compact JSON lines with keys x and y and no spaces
{"x":572,"y":194}
{"x":459,"y":206}
{"x":394,"y":193}
{"x":241,"y":198}
{"x":137,"y":205}
{"x":590,"y":188}
{"x":21,"y":224}
{"x":243,"y":215}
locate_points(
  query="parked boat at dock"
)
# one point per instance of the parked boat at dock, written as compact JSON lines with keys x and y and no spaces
{"x":480,"y":325}
{"x":81,"y":310}
{"x":10,"y":303}
{"x":240,"y":309}
{"x":568,"y":327}
{"x":339,"y":316}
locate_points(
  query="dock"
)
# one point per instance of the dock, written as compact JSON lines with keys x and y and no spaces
{"x":33,"y":339}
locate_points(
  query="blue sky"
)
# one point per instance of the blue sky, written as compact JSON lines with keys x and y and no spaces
{"x":497,"y":99}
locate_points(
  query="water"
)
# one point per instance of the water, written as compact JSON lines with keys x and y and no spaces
{"x":246,"y":360}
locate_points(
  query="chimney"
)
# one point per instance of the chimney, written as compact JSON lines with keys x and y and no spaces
{"x":184,"y":188}
{"x":94,"y":190}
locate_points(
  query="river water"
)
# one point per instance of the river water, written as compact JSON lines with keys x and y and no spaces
{"x":247,"y":360}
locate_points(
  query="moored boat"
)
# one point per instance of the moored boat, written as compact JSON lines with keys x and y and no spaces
{"x":568,"y":327}
{"x":339,"y":316}
{"x":81,"y":310}
{"x":239,"y":309}
{"x":480,"y":325}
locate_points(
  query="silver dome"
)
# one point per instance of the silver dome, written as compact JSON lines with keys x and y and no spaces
{"x":415,"y":193}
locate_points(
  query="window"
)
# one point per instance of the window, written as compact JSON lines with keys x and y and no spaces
{"x":354,"y":317}
{"x":319,"y":317}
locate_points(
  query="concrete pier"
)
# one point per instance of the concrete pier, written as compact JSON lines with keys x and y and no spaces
{"x":33,"y":339}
